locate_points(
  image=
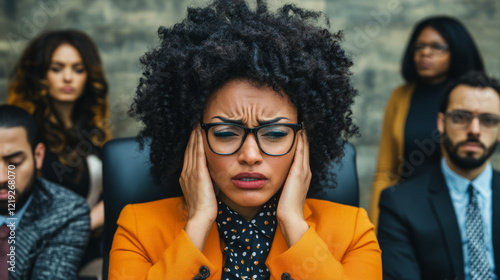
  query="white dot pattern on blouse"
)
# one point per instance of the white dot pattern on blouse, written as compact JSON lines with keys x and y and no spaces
{"x":247,"y":243}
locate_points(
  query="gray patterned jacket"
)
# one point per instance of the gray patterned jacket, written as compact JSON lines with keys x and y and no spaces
{"x":52,"y":235}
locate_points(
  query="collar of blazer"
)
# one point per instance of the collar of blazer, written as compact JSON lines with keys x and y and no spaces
{"x":28,"y":230}
{"x":445,"y":213}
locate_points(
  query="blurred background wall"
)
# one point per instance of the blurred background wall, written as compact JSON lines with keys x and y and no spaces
{"x":376,"y":32}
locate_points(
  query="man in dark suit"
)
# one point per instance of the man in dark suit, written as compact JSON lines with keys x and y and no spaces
{"x":446,"y":224}
{"x":44,"y":228}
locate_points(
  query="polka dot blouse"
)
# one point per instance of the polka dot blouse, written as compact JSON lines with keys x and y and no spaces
{"x":247,"y":243}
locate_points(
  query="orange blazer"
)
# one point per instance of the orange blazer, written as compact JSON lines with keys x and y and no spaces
{"x":150,"y":243}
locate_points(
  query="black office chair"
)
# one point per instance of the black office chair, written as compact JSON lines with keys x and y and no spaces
{"x":126,"y":180}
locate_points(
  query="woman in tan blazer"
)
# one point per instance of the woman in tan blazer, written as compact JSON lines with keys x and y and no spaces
{"x":244,"y":108}
{"x":439,"y":49}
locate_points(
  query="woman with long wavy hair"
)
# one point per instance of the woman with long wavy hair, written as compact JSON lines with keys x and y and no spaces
{"x":60,"y":81}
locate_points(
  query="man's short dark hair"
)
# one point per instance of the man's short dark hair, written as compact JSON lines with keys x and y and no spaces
{"x":476,"y":79}
{"x":12,"y":116}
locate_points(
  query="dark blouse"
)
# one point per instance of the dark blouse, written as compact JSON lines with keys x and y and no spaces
{"x":69,"y":176}
{"x":66,"y":174}
{"x":247,"y":243}
{"x":421,"y":140}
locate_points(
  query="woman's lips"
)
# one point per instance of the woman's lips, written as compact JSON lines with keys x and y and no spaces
{"x":424,"y":65}
{"x":67,"y":89}
{"x":249,"y":180}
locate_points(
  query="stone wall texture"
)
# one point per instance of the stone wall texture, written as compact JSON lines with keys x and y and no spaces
{"x":376,"y":32}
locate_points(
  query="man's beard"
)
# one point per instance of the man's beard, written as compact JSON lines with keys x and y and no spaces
{"x":21,"y":198}
{"x":468,"y":162}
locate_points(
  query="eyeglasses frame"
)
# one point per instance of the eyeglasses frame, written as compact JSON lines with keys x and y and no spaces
{"x":447,"y":115}
{"x":433,"y":50}
{"x":295,"y":127}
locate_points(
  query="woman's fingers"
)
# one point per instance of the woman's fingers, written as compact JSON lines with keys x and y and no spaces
{"x":299,"y":152}
{"x":297,"y":182}
{"x":195,"y":179}
{"x":200,"y":151}
{"x":305,"y":147}
{"x":290,"y":211}
{"x":300,"y":165}
{"x":198,"y":191}
{"x":187,"y":164}
{"x":188,"y":152}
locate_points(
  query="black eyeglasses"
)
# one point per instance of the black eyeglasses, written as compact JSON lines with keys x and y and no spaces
{"x":273,"y":139}
{"x":436,"y":48}
{"x":462,"y":119}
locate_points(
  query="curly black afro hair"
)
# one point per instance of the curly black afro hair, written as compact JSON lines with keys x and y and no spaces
{"x":229,"y":40}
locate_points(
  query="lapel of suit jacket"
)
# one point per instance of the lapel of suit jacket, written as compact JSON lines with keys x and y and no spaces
{"x":28,"y":235}
{"x":445,"y":213}
{"x":495,"y":186}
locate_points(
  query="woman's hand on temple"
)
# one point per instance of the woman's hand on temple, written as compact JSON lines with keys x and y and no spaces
{"x":290,"y":212}
{"x":198,"y":191}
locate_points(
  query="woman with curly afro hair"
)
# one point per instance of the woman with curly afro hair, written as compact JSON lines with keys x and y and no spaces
{"x":243,"y":109}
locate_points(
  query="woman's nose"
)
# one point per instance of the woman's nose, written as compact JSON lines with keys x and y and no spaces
{"x":67,"y":75}
{"x":250,"y":152}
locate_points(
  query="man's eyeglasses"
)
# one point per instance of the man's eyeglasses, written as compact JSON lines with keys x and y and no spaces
{"x":436,"y":48}
{"x":273,"y":139}
{"x":462,"y":119}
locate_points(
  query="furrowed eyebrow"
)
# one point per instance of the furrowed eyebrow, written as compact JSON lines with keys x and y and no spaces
{"x":272,"y":121}
{"x":240,"y":122}
{"x":13,"y":155}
